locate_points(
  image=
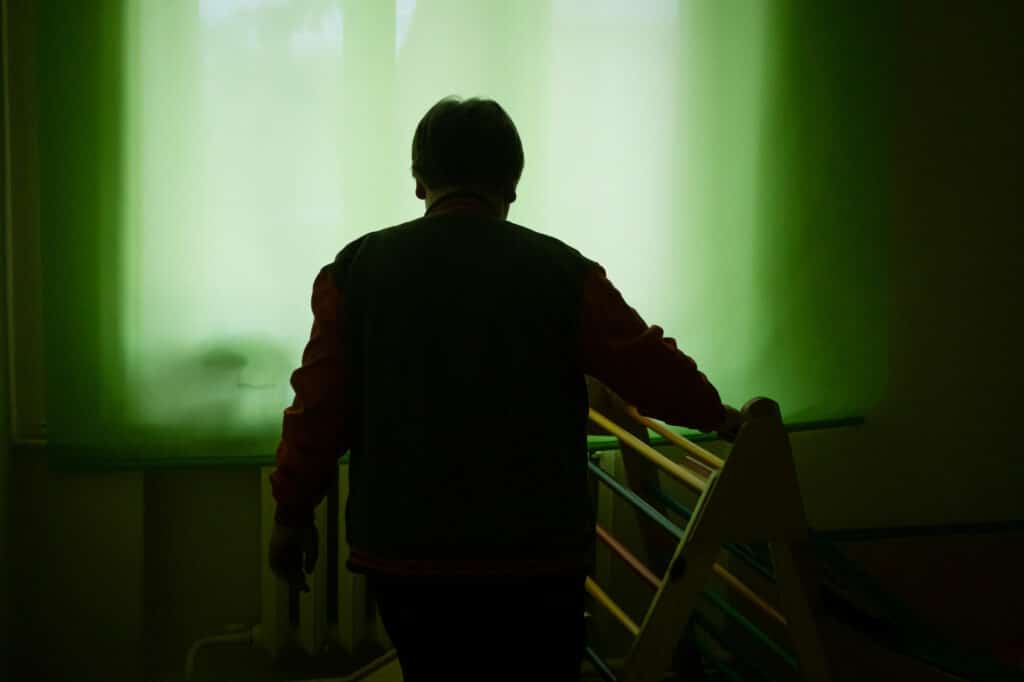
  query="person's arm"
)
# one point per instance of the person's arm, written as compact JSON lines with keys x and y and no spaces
{"x":641,"y":364}
{"x":314,"y":435}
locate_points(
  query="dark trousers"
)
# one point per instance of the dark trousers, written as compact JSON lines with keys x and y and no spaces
{"x":508,"y":629}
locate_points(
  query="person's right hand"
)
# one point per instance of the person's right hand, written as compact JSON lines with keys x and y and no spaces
{"x":293,"y":554}
{"x":730,"y":426}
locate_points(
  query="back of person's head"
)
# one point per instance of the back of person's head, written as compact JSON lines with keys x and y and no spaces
{"x":468,"y":143}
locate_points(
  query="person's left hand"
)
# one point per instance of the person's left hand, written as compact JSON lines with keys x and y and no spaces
{"x":730,"y":426}
{"x":292,"y":551}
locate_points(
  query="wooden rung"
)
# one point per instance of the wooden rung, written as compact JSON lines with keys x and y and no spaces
{"x":604,"y":600}
{"x":627,"y":556}
{"x":667,"y":465}
{"x":753,"y":597}
{"x":709,"y":459}
{"x":721,"y":571}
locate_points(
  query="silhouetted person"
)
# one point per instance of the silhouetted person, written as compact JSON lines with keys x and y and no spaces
{"x":448,"y":354}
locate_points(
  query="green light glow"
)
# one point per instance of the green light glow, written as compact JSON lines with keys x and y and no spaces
{"x":259,"y":136}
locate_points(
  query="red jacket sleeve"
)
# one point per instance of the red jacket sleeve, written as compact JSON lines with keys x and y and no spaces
{"x":313,"y":435}
{"x":640,"y":363}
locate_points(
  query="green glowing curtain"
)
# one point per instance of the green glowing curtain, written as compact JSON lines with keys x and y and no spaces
{"x":201,"y":160}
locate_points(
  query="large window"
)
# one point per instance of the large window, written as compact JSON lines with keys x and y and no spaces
{"x":242,"y":143}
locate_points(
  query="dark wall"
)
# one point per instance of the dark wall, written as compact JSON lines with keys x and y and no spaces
{"x":957,"y":266}
{"x":941,"y":443}
{"x":957,"y":270}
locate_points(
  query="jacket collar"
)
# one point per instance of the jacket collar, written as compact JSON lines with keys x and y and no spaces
{"x":464,"y":202}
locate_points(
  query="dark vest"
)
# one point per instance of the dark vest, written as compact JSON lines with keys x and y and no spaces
{"x":463,"y":359}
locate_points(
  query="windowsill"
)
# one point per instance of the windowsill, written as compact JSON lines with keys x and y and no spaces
{"x":99,"y":462}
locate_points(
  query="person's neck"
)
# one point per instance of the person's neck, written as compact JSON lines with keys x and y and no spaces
{"x":465,"y":199}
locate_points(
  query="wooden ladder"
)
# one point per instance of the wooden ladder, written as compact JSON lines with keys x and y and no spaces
{"x":751,"y":496}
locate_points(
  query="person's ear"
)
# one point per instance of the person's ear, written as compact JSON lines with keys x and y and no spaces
{"x":421,"y":191}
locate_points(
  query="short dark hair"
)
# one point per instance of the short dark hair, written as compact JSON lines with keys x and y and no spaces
{"x":469,"y":142}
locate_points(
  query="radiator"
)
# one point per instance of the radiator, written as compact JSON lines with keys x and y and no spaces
{"x":338,"y":609}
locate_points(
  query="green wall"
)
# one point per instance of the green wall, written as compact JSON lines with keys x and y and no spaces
{"x":941,"y":444}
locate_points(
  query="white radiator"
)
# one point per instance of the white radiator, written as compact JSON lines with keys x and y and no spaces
{"x":337,"y":609}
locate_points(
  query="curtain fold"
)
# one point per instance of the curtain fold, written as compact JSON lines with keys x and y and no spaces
{"x":201,"y":160}
{"x":80,"y":148}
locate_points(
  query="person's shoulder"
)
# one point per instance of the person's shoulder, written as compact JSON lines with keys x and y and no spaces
{"x":552,"y":244}
{"x":344,"y":259}
{"x":354,"y":247}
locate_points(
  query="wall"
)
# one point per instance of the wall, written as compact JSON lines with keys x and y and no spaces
{"x":76,"y":541}
{"x":940,"y":445}
{"x":5,"y":561}
{"x":202,"y":563}
{"x":957,"y":260}
{"x":108,"y":566}
{"x":23,"y":260}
